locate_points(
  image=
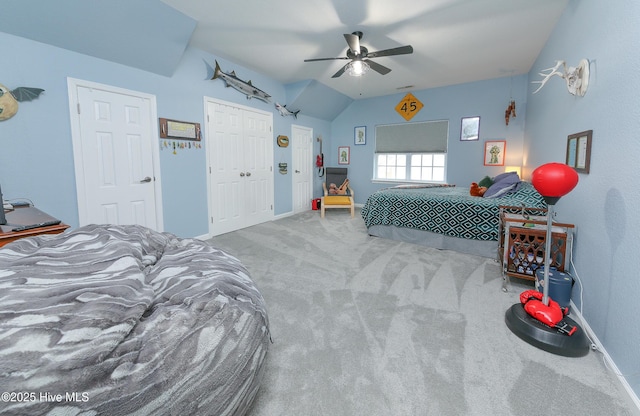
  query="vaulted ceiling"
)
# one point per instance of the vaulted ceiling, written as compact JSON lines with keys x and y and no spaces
{"x":454,"y":41}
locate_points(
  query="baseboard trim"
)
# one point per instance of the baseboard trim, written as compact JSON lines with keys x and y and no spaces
{"x":202,"y":237}
{"x":285,"y":215}
{"x":275,"y":217}
{"x":610,"y":363}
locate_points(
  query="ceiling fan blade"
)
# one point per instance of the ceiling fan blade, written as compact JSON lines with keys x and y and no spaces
{"x":324,"y":59}
{"x":402,"y":50}
{"x":340,"y":72}
{"x":353,"y":41}
{"x":381,"y":69}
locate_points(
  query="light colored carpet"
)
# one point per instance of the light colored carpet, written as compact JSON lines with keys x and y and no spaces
{"x":368,"y":326}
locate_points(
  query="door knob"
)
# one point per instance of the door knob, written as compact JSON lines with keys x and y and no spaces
{"x":146,"y":180}
{"x":297,"y":171}
{"x":241,"y":173}
{"x":248,"y":173}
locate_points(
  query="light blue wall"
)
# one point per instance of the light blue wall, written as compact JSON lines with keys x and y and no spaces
{"x":487,"y":99}
{"x":36,"y":160}
{"x":41,"y":133}
{"x":604,"y":204}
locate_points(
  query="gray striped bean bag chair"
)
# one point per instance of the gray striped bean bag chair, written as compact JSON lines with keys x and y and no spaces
{"x":123,"y":320}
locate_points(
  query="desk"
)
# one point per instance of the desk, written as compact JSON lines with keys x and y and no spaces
{"x":27,"y":216}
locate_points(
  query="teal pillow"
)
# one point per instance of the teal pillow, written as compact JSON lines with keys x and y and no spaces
{"x":486,"y":182}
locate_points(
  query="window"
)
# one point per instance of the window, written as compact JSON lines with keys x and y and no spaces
{"x":423,"y":167}
{"x":391,"y":166}
{"x":428,"y":167}
{"x":415,"y":152}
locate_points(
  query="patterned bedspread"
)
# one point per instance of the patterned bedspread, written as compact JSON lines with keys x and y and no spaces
{"x":122,"y":320}
{"x":445,"y":210}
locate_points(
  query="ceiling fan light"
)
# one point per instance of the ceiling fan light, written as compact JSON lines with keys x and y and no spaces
{"x":357,"y":68}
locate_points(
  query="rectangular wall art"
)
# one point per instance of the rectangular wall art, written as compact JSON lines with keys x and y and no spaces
{"x":343,"y":155}
{"x":579,"y":151}
{"x":360,"y":135}
{"x":494,"y":151}
{"x":470,"y":128}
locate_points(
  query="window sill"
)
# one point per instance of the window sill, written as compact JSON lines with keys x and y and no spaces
{"x":401,"y":182}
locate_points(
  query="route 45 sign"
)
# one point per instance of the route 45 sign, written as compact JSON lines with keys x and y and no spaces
{"x":409,"y":106}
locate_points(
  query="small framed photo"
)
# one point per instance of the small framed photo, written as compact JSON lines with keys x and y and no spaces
{"x":180,"y":130}
{"x":343,"y":155}
{"x":470,"y":128}
{"x":360,"y":135}
{"x":494,"y":151}
{"x":579,"y":151}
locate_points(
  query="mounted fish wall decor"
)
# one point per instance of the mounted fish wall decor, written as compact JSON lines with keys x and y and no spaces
{"x":284,"y":111}
{"x":245,"y":87}
{"x":9,"y":99}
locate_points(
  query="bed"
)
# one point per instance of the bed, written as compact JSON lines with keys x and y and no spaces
{"x":444,"y":217}
{"x":123,"y":320}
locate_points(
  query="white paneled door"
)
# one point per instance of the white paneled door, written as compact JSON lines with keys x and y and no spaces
{"x":302,"y":151}
{"x":114,"y":134}
{"x":239,"y":142}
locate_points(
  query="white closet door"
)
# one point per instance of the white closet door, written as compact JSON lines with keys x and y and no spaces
{"x":258,"y":162}
{"x":224,"y":151}
{"x":240,"y":165}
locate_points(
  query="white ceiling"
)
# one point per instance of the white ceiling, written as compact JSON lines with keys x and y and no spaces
{"x":454,"y":41}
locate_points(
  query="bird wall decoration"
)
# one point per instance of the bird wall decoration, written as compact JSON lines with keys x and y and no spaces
{"x":9,"y":99}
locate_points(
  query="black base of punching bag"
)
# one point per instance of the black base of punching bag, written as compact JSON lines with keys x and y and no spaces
{"x":544,"y":337}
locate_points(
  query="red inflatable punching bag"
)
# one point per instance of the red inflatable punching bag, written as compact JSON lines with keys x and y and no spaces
{"x":554,"y":180}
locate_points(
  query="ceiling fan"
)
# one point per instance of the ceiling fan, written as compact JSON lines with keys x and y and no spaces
{"x":359,"y":57}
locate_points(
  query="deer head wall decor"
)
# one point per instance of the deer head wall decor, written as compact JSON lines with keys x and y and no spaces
{"x":577,"y":78}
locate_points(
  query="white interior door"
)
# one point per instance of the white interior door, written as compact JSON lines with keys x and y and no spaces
{"x":115,"y":155}
{"x":302,"y":163}
{"x":240,"y":166}
{"x":258,"y":167}
{"x":224,"y":158}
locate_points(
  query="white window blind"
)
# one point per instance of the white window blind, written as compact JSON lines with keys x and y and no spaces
{"x":423,"y":137}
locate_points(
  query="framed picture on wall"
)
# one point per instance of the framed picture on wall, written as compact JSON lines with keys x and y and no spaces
{"x":470,"y":128}
{"x":360,"y":135}
{"x":343,"y":155}
{"x":181,"y":130}
{"x":579,"y":151}
{"x":494,"y":151}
